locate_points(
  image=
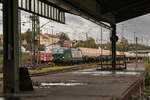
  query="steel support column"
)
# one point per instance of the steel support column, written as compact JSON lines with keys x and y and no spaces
{"x":11,"y":46}
{"x":114,"y":39}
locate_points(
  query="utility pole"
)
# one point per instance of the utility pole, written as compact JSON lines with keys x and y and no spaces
{"x":86,"y":36}
{"x":35,"y":37}
{"x":142,"y":40}
{"x":134,"y":38}
{"x":101,"y":45}
{"x":52,"y":36}
{"x":136,"y":52}
{"x":38,"y":39}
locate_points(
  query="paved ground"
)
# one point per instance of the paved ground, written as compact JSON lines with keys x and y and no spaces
{"x":86,"y":84}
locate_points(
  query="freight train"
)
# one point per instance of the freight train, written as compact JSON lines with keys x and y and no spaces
{"x":65,"y":55}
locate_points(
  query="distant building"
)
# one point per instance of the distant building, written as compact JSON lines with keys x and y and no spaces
{"x":48,"y":39}
{"x":24,"y":43}
{"x":102,"y":46}
{"x":67,"y":43}
{"x":23,"y":49}
{"x":50,"y":47}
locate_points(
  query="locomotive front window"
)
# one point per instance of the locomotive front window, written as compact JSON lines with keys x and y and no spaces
{"x":58,"y":51}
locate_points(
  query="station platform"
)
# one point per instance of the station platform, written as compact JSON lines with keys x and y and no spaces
{"x":88,"y":84}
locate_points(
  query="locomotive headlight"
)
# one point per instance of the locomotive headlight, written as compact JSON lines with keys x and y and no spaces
{"x":63,"y":57}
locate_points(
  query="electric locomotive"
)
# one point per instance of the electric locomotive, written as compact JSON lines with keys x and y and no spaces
{"x":64,"y":55}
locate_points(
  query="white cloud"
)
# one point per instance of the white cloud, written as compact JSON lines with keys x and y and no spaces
{"x":77,"y":27}
{"x":138,"y":26}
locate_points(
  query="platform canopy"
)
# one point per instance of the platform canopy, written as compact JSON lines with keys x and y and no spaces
{"x":111,"y":11}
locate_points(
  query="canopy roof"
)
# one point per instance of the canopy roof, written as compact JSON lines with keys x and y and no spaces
{"x":111,"y":11}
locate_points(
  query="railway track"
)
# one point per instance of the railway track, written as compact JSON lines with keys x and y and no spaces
{"x":69,"y":69}
{"x":76,"y":67}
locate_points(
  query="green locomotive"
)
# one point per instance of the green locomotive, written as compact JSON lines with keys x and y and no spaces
{"x":64,"y":55}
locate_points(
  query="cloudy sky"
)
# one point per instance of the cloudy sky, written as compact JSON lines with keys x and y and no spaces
{"x":77,"y":27}
{"x":138,"y":26}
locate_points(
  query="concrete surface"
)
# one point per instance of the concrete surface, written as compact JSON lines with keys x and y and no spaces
{"x":86,"y":84}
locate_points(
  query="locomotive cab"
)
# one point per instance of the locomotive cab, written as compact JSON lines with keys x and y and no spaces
{"x":61,"y":55}
{"x":65,"y":55}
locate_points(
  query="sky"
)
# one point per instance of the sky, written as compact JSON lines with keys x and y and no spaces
{"x":77,"y":27}
{"x":137,"y":27}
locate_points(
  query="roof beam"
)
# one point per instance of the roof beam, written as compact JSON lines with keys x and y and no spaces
{"x":42,"y":8}
{"x":128,"y":6}
{"x":123,"y":14}
{"x":80,"y":12}
{"x":105,"y":8}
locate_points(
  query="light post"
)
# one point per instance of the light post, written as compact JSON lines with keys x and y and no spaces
{"x":101,"y":45}
{"x":52,"y":36}
{"x":136,"y":51}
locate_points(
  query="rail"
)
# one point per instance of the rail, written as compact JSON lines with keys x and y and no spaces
{"x":134,"y":88}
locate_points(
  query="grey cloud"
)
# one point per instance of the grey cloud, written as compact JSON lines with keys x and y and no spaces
{"x":74,"y":20}
{"x":139,"y":26}
{"x":76,"y":27}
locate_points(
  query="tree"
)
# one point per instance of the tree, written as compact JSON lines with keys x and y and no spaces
{"x":80,"y":44}
{"x":28,"y":37}
{"x":90,"y":43}
{"x":108,"y":46}
{"x":64,"y":37}
{"x":123,"y":45}
{"x":42,"y":48}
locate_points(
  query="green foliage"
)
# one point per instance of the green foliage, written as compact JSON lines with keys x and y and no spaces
{"x":42,"y":48}
{"x":123,"y":45}
{"x":25,"y":58}
{"x":139,"y":47}
{"x":46,"y":69}
{"x":63,"y":37}
{"x":90,"y":43}
{"x":28,"y":47}
{"x":28,"y":37}
{"x":80,"y":44}
{"x":147,"y":80}
{"x":108,"y":46}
